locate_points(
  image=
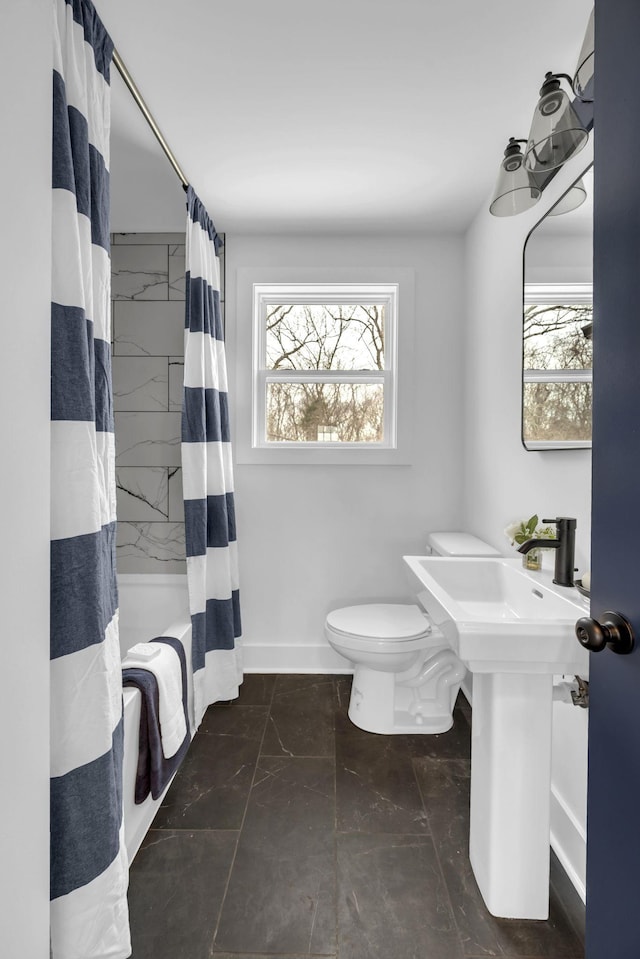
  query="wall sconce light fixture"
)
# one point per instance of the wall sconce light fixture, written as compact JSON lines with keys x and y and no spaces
{"x":516,"y":189}
{"x":557,"y":133}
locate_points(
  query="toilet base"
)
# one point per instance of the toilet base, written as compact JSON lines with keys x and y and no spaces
{"x":418,"y":701}
{"x":403,"y":722}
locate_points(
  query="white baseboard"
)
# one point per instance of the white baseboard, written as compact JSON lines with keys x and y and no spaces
{"x":320,"y":658}
{"x":569,"y":842}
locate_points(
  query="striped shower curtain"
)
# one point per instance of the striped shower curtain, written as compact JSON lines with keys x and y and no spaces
{"x":89,"y":918}
{"x":210,"y":528}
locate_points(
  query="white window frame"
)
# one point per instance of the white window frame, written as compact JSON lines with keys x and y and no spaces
{"x":243,"y":348}
{"x":339,"y":294}
{"x":551,"y":294}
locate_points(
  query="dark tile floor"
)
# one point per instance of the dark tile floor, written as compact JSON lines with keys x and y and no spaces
{"x":289,"y":832}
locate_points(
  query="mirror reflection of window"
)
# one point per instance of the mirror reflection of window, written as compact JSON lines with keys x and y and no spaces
{"x":558,"y":359}
{"x":557,"y":333}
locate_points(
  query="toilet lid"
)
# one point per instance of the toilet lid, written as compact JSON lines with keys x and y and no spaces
{"x":380,"y":621}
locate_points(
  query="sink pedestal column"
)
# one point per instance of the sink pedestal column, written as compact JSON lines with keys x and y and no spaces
{"x":510,"y":792}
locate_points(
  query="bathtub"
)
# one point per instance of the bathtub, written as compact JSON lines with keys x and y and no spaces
{"x":150,"y":605}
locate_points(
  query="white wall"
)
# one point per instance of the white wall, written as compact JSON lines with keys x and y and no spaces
{"x":503,"y":481}
{"x":559,"y":258}
{"x":25,"y":254}
{"x":146,"y":194}
{"x":313,"y":538}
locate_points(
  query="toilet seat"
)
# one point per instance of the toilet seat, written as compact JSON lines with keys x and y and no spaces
{"x":379,"y":622}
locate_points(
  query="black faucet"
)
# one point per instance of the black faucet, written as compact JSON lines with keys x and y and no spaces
{"x":564,"y":545}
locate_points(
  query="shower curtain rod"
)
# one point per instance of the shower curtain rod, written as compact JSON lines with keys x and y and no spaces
{"x":137,"y":96}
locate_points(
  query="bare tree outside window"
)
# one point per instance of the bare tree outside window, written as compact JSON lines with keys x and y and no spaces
{"x":558,"y":337}
{"x":558,"y":357}
{"x":325,"y":337}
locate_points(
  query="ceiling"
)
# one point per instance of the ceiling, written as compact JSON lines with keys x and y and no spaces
{"x":341,"y":116}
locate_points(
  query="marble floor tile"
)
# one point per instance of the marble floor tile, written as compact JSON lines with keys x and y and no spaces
{"x":453,"y":744}
{"x":301,"y":717}
{"x":482,"y":934}
{"x":343,"y":692}
{"x":216,"y":775}
{"x":376,"y":788}
{"x":404,"y":893}
{"x":256,"y":690}
{"x":392,"y":900}
{"x":285,"y":863}
{"x":177,"y":884}
{"x":445,"y":787}
{"x":565,"y":892}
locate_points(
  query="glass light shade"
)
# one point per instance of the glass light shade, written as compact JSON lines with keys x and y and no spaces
{"x":583,"y":76}
{"x":516,"y":190}
{"x":573,"y":198}
{"x":556,"y":131}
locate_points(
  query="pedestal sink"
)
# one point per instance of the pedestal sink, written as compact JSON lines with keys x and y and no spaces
{"x":513,"y":629}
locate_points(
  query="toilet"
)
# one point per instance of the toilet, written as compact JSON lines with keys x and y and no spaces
{"x":406,"y":678}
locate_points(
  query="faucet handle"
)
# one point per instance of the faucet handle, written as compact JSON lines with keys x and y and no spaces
{"x":569,"y":520}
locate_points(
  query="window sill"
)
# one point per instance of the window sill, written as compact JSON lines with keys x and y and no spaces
{"x":260,"y":456}
{"x":540,"y":446}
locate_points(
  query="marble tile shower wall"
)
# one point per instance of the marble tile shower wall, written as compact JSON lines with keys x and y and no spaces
{"x":147,"y":290}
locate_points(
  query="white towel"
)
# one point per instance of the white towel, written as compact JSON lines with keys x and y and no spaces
{"x":165,"y":666}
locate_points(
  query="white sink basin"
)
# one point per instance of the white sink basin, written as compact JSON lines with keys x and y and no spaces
{"x":498,"y":617}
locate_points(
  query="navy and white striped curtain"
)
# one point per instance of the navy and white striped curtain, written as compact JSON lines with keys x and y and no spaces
{"x":89,"y":872}
{"x":210,"y":527}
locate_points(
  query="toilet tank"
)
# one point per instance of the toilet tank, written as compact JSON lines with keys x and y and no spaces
{"x":458,"y":544}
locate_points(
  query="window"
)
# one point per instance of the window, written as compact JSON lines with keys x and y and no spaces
{"x":557,"y":368}
{"x":324,"y":366}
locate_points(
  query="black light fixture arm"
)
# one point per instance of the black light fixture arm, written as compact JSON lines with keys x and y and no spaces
{"x":513,"y":155}
{"x":512,"y":149}
{"x":552,"y":82}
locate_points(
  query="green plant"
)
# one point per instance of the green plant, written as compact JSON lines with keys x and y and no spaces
{"x":520,"y":532}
